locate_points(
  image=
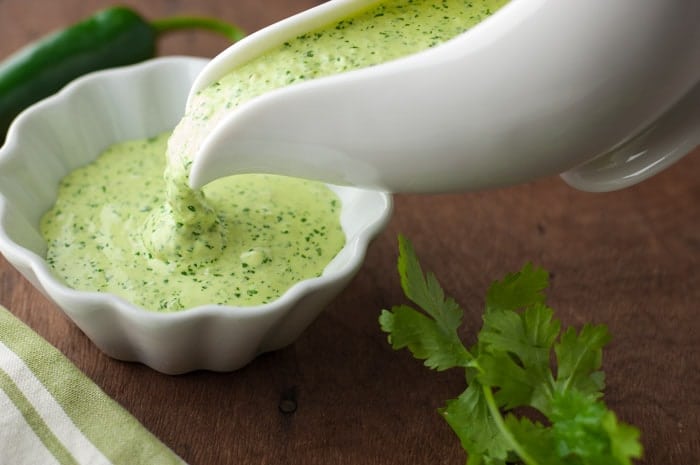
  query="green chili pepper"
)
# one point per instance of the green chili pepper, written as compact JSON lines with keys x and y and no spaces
{"x":113,"y":37}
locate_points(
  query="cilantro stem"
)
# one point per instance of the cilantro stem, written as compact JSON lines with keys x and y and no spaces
{"x":498,"y":419}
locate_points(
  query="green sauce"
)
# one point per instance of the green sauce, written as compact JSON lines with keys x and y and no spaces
{"x":380,"y":33}
{"x":279,"y":231}
{"x":129,"y":224}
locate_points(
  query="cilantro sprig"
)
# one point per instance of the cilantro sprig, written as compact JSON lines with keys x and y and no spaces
{"x":523,"y":362}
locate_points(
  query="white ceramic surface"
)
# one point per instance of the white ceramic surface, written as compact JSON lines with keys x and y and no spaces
{"x":70,"y":129}
{"x":606,"y":92}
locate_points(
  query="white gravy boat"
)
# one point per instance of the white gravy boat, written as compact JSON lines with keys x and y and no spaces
{"x":605,"y":92}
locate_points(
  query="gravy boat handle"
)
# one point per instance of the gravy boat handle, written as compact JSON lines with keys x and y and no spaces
{"x":540,"y":88}
{"x":654,"y":149}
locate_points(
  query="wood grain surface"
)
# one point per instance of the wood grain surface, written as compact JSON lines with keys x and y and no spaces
{"x":340,"y":395}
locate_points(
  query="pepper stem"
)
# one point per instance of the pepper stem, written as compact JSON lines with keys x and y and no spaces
{"x":175,"y":23}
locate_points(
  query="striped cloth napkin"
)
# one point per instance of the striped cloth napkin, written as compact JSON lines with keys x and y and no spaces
{"x":51,"y":413}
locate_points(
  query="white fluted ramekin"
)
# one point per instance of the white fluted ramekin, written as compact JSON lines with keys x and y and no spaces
{"x":72,"y":128}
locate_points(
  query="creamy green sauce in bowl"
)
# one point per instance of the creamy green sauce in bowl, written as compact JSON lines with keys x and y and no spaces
{"x":279,"y":231}
{"x":130,"y":225}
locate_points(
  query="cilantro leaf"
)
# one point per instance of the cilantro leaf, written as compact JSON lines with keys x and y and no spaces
{"x":424,"y":338}
{"x":586,"y":430}
{"x":434,"y":337}
{"x":425,"y":291}
{"x":536,"y":438}
{"x":470,"y":418}
{"x":514,"y":354}
{"x":522,"y":360}
{"x":579,"y":358}
{"x":518,"y":290}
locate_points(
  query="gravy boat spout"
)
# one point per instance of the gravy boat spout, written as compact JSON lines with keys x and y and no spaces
{"x":539,"y":88}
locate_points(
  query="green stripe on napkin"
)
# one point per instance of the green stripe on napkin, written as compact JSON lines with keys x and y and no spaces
{"x":51,"y":413}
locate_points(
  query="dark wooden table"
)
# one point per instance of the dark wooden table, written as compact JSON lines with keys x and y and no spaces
{"x":629,"y":259}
